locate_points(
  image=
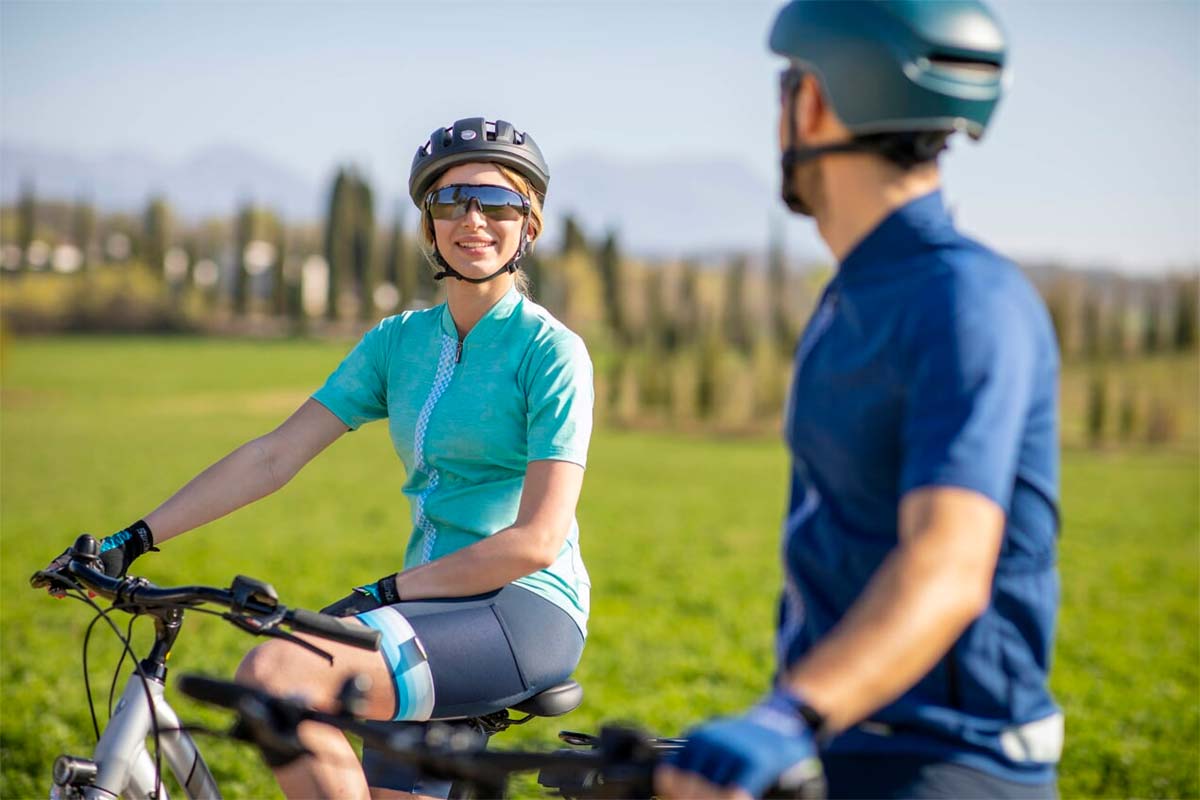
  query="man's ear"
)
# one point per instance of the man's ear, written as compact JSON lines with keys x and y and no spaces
{"x":810,"y":108}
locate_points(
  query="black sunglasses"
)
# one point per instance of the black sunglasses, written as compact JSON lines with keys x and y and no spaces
{"x":495,"y":202}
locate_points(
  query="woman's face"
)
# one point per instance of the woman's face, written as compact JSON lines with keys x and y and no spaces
{"x":476,"y":245}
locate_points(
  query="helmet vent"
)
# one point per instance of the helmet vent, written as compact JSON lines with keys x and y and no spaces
{"x":961,"y":67}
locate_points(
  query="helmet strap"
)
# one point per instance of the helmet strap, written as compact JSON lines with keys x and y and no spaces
{"x":905,"y":150}
{"x":512,"y":266}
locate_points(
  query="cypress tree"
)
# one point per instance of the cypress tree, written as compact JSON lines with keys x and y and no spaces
{"x":26,"y":219}
{"x":338,"y":244}
{"x":777,"y":291}
{"x":365,"y":278}
{"x":737,"y":319}
{"x":573,"y":239}
{"x":1097,"y":409}
{"x":156,"y":234}
{"x":243,"y":235}
{"x":612,"y":277}
{"x":279,"y":277}
{"x":1186,"y":308}
{"x":1151,"y":313}
{"x":689,"y":315}
{"x":1093,"y":333}
{"x":83,"y":231}
{"x":402,"y":268}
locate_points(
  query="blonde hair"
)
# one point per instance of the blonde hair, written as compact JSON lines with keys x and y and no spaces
{"x":536,"y":223}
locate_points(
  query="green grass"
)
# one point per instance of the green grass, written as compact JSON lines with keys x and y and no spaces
{"x":680,"y":535}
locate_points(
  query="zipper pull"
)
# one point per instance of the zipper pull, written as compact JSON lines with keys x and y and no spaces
{"x":458,"y":355}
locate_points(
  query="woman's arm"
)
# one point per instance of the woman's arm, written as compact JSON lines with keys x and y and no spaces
{"x":531,"y":543}
{"x":254,"y":470}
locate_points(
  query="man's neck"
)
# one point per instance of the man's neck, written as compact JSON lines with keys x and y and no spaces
{"x":860,"y":192}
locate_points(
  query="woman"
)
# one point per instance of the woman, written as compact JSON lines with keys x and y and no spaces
{"x":488,"y":400}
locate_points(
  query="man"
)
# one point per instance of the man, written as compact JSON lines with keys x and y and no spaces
{"x":917,"y":618}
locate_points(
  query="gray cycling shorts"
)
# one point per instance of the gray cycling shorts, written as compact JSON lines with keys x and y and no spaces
{"x":485,"y":653}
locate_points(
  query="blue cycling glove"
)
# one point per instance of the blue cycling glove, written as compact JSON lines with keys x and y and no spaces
{"x":771,"y":744}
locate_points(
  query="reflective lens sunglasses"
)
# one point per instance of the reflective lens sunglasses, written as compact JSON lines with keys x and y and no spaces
{"x":494,"y":202}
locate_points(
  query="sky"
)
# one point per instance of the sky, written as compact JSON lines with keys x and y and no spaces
{"x":1092,"y":158}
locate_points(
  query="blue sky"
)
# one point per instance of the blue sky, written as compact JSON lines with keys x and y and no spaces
{"x":1092,"y":158}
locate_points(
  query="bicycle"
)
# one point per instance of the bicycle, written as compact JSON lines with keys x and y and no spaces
{"x":618,"y":763}
{"x":120,"y":764}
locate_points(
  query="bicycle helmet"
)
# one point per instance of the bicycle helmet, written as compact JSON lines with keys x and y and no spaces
{"x":900,"y":74}
{"x":477,"y":139}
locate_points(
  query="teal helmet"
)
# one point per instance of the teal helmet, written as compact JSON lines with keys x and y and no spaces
{"x":898,"y":66}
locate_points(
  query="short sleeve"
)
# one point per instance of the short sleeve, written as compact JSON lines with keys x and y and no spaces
{"x":560,"y":398}
{"x":356,"y":392}
{"x":968,"y":386}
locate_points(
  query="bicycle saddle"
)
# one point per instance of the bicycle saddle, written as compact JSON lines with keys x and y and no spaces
{"x":553,"y":702}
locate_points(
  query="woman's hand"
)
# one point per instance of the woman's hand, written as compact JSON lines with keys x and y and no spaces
{"x":357,"y":602}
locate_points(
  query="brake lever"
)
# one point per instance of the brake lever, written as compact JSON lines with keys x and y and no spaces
{"x":43,"y":579}
{"x":269,"y":626}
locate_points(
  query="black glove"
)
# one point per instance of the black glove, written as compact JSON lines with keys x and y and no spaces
{"x":357,"y":602}
{"x":117,"y":552}
{"x":366,"y":598}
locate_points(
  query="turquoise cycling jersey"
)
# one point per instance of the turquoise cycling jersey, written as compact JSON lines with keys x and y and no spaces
{"x":466,"y":418}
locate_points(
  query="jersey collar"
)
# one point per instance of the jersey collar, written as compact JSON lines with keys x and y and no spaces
{"x":913,"y":227}
{"x":503,"y":309}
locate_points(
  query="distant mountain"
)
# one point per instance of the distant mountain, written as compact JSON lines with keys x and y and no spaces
{"x":212,"y":182}
{"x":683,"y":207}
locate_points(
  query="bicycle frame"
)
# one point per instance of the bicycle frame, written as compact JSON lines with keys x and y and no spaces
{"x":126,"y":768}
{"x":123,"y":765}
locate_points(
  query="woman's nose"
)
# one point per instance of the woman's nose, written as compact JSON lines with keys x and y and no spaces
{"x":474,"y":218}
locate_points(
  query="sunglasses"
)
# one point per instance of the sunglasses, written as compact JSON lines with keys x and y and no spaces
{"x":494,"y":202}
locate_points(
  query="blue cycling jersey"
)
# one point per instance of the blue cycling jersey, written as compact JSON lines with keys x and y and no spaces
{"x":931,"y":361}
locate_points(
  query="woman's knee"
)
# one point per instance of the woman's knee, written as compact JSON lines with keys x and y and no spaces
{"x":266,"y":667}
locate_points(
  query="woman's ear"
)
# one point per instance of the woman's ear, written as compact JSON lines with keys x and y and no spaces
{"x":531,"y":233}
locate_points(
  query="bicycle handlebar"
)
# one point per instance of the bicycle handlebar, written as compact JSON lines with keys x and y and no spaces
{"x":245,"y":596}
{"x":621,"y":763}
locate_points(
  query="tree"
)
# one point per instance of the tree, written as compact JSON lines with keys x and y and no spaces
{"x":365,"y":277}
{"x":243,"y":235}
{"x":26,"y":219}
{"x":1093,"y":327}
{"x":779,"y":312}
{"x":280,"y":295}
{"x":573,"y":239}
{"x":156,"y":234}
{"x":737,"y":320}
{"x":1184,"y":338}
{"x":83,"y":231}
{"x":613,"y":277}
{"x":1151,"y":321}
{"x":339,"y":245}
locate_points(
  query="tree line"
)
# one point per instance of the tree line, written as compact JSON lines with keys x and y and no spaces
{"x":675,"y":342}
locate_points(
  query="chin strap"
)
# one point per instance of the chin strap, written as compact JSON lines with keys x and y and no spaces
{"x":903,"y":149}
{"x":512,"y":266}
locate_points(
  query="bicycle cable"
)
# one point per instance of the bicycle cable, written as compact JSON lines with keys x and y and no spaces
{"x":81,"y":594}
{"x":112,"y":687}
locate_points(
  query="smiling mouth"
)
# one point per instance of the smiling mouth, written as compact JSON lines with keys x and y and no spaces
{"x":475,"y":246}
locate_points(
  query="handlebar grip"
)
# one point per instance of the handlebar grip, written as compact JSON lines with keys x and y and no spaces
{"x":211,"y":690}
{"x":336,"y":629}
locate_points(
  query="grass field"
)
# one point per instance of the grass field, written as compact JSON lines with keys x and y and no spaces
{"x":680,"y":534}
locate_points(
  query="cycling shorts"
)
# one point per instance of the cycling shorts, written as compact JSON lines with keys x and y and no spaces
{"x":484,"y":653}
